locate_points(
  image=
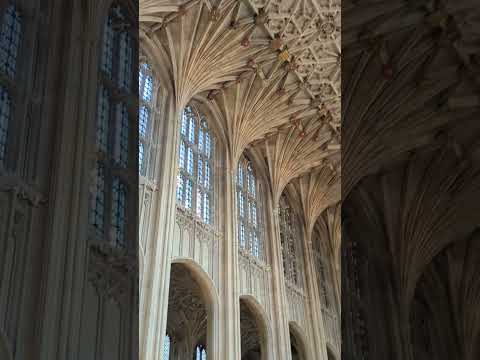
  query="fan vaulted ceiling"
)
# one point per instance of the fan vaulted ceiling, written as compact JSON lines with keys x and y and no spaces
{"x":270,"y":70}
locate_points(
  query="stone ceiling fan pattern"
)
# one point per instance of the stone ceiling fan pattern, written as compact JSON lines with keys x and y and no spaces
{"x":270,"y":67}
{"x":408,"y":74}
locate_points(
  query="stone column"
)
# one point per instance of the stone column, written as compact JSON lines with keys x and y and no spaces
{"x":318,"y":332}
{"x":231,"y":294}
{"x":154,"y":296}
{"x":280,"y":318}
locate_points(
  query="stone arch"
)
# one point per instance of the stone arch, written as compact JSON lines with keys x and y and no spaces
{"x":263,"y":325}
{"x":5,"y":352}
{"x":211,"y":301}
{"x":298,"y":341}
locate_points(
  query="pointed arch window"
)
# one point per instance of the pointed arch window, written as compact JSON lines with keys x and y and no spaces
{"x":288,"y":239}
{"x":249,"y":231}
{"x":195,"y":160}
{"x":200,"y":353}
{"x":10,"y":36}
{"x":109,"y":196}
{"x":146,"y":83}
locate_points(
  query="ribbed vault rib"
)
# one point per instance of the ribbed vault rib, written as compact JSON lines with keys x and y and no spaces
{"x":318,"y":190}
{"x":254,"y":107}
{"x":329,"y":225}
{"x":295,"y":151}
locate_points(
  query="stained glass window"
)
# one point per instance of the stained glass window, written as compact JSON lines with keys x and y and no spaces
{"x":10,"y":34}
{"x":98,"y":206}
{"x":9,"y":40}
{"x":249,"y":231}
{"x":107,"y":48}
{"x":125,"y":61}
{"x":5,"y":109}
{"x":121,"y":135}
{"x":103,"y":118}
{"x":195,"y":165}
{"x":146,"y":82}
{"x":113,"y":128}
{"x":144,"y":115}
{"x":119,"y":198}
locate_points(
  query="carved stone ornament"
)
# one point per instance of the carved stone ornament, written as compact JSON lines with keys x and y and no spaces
{"x":111,"y":272}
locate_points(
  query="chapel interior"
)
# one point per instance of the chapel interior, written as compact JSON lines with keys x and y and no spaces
{"x":239,"y":180}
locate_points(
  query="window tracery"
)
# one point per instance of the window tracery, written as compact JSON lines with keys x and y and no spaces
{"x":110,"y":190}
{"x":195,"y":177}
{"x":289,"y":236}
{"x":249,"y":230}
{"x":10,"y":34}
{"x":146,"y":82}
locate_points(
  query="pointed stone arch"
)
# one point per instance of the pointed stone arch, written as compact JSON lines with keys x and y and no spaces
{"x":298,"y":342}
{"x":262,"y":323}
{"x":211,"y":301}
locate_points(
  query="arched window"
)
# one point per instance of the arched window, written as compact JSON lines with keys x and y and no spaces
{"x":200,"y":353}
{"x":195,"y":177}
{"x":166,"y":347}
{"x":114,"y":116}
{"x":288,"y":238}
{"x":10,"y":33}
{"x":249,"y":231}
{"x":146,"y":83}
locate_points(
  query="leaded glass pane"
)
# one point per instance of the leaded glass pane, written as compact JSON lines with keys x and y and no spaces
{"x":200,"y":179}
{"x":125,"y":61}
{"x":194,"y":165}
{"x":201,"y":135}
{"x":241,"y":204}
{"x":103,"y":114}
{"x":249,"y":234}
{"x":5,"y":110}
{"x":188,"y":194}
{"x":240,"y":175}
{"x":107,"y":48}
{"x":191,"y":130}
{"x":208,"y":145}
{"x":166,"y":348}
{"x":207,"y":182}
{"x":180,"y":187}
{"x":119,"y":203}
{"x":254,"y":214}
{"x":181,"y":156}
{"x":121,"y":135}
{"x":190,"y":160}
{"x":147,"y":88}
{"x":141,"y":154}
{"x":9,"y":41}
{"x":184,"y":126}
{"x":242,"y":234}
{"x":144,"y":116}
{"x":97,"y":210}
